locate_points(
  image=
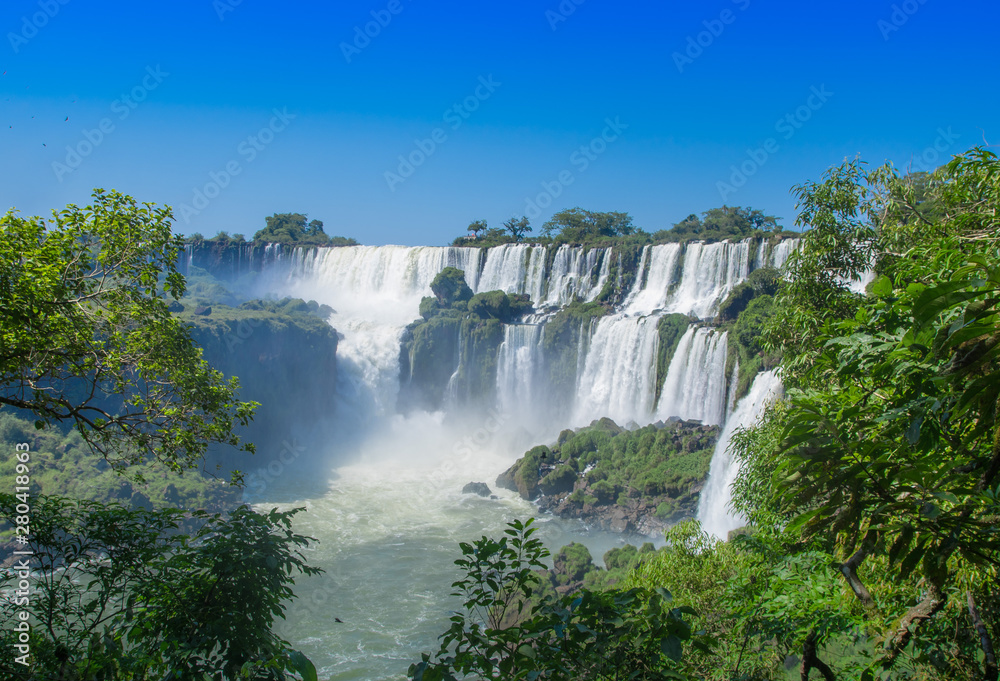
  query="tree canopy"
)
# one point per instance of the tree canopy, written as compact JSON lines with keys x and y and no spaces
{"x":887,"y":452}
{"x":576,"y":225}
{"x":727,"y":222}
{"x":291,"y":228}
{"x":124,"y":593}
{"x":88,"y":340}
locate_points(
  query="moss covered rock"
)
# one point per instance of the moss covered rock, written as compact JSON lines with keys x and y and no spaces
{"x":449,"y":287}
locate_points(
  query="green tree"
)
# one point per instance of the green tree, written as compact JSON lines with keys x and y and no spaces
{"x":727,"y":222}
{"x":476,"y":227}
{"x":88,"y":340}
{"x":576,"y":225}
{"x":159,"y":603}
{"x":291,"y":228}
{"x":889,"y":446}
{"x":517,"y":227}
{"x":588,"y":636}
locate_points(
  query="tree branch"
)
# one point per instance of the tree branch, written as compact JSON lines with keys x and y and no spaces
{"x":849,"y":569}
{"x":990,"y":670}
{"x":811,"y":661}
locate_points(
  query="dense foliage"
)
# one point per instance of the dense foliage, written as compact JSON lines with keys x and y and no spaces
{"x":63,"y":465}
{"x":88,"y":339}
{"x":889,"y":447}
{"x":291,"y":229}
{"x":115,"y":384}
{"x":121,"y":593}
{"x":634,"y":634}
{"x":652,"y":470}
{"x":455,"y":343}
{"x":872,"y":492}
{"x":594,"y":228}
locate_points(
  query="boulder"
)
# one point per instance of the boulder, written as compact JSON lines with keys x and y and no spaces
{"x":480,"y":488}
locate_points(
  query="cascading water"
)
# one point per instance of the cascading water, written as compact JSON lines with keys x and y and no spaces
{"x":391,"y":518}
{"x":619,"y":374}
{"x":710,"y":273}
{"x":656,"y":274}
{"x":695,"y":386}
{"x":713,"y":509}
{"x":520,"y":394}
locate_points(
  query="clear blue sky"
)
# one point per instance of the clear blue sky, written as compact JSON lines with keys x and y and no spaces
{"x":211,"y":74}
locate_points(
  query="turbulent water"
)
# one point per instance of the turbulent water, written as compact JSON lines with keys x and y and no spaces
{"x":390,"y":513}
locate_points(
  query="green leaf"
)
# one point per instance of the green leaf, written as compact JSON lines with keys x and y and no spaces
{"x":671,"y":647}
{"x":881,"y":287}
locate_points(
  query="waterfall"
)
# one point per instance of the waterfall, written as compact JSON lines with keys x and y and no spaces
{"x":514,"y":268}
{"x":519,"y":392}
{"x":733,"y":385}
{"x":713,"y":509}
{"x":618,"y":379}
{"x":654,"y":279}
{"x":376,"y":291}
{"x":780,"y":253}
{"x":695,"y":386}
{"x":710,"y":272}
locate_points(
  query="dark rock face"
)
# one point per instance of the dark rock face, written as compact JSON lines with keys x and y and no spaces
{"x":480,"y":488}
{"x":287,"y":363}
{"x":203,"y":310}
{"x":455,"y":343}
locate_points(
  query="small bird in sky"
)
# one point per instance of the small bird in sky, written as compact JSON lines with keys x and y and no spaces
{"x":67,"y":118}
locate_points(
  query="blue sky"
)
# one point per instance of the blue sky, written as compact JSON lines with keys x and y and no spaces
{"x":666,"y":101}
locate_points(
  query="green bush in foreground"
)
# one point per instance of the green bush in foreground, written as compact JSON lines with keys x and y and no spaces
{"x":121,"y":593}
{"x":633,"y":634}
